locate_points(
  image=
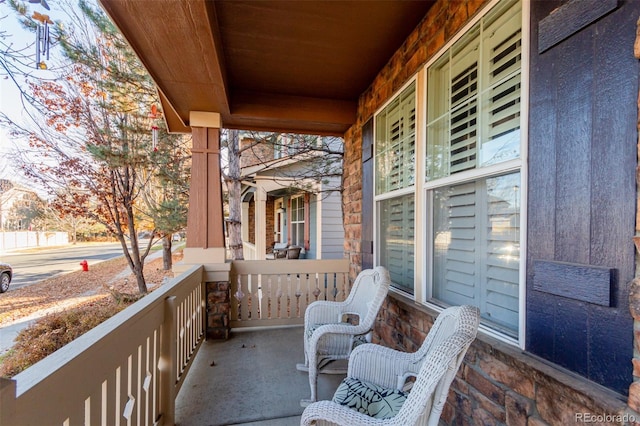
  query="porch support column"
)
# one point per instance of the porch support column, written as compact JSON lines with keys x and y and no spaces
{"x":245,"y":222}
{"x":205,"y":230}
{"x":261,"y":223}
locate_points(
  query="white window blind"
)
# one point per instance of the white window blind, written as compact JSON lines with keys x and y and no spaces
{"x":474,"y":97}
{"x":473,"y":121}
{"x":396,"y":239}
{"x":395,"y":143}
{"x":476,"y":252}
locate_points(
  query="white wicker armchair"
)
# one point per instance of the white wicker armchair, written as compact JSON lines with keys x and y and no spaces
{"x":434,"y":365}
{"x":326,"y":334}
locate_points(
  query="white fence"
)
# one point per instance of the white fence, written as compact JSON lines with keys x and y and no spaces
{"x":10,"y":240}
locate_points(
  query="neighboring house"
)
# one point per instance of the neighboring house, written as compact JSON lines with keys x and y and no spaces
{"x":490,"y":159}
{"x":286,"y":200}
{"x":17,"y":205}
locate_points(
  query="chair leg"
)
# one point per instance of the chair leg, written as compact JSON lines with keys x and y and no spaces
{"x":304,"y":367}
{"x":313,"y":379}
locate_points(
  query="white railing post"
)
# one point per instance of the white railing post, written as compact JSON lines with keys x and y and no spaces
{"x":203,"y":309}
{"x":168,"y":363}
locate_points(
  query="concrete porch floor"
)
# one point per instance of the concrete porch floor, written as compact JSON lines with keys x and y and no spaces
{"x":250,"y":379}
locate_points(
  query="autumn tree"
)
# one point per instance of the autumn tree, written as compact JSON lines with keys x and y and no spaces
{"x":95,"y":142}
{"x":76,"y":227}
{"x":166,"y":196}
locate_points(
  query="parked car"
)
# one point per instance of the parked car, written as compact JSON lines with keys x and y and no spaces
{"x":6,"y":273}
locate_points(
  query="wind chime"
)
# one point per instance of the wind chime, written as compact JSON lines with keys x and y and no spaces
{"x":43,"y":40}
{"x":154,"y":115}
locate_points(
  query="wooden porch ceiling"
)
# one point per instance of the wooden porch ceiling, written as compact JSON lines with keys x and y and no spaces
{"x":296,"y":66}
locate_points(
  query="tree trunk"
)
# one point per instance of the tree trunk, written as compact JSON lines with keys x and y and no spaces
{"x":135,"y":261}
{"x":234,"y":187}
{"x":142,"y":284}
{"x":167,"y":261}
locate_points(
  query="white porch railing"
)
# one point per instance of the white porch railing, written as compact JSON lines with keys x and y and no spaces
{"x":277,"y":292}
{"x":126,"y":371}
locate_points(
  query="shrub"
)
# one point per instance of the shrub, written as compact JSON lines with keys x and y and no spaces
{"x":52,"y":332}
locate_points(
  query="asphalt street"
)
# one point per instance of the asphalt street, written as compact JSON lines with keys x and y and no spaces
{"x":33,"y":265}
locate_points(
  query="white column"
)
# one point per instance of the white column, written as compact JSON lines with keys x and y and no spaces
{"x":261,"y":223}
{"x":245,"y":222}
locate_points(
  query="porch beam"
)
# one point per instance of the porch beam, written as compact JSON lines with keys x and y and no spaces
{"x":291,"y":113}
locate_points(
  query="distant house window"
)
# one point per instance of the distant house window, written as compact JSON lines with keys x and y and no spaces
{"x":297,"y":221}
{"x":282,"y":146}
{"x":472,"y":165}
{"x":395,"y":153}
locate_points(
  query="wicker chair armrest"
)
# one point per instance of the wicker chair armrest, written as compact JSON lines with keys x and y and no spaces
{"x":382,"y":366}
{"x":336,"y":414}
{"x":339,"y":328}
{"x":323,"y":312}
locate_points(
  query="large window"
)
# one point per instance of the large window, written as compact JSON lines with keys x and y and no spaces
{"x":472,"y":165}
{"x":395,"y":153}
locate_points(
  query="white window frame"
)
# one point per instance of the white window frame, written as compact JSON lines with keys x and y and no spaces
{"x":519,"y":164}
{"x":296,"y":223}
{"x":421,"y":188}
{"x":413,"y":189}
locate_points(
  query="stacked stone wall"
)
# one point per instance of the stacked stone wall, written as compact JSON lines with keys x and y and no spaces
{"x":218,"y":309}
{"x":498,"y":384}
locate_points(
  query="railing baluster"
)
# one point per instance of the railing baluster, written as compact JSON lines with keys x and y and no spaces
{"x":154,"y":376}
{"x":287,"y":288}
{"x":168,"y":361}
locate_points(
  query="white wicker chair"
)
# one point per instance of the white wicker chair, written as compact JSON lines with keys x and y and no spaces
{"x":326,"y":334}
{"x":434,"y":365}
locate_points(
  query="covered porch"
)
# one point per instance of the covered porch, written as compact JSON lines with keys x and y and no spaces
{"x":562,"y":357}
{"x":151,"y":365}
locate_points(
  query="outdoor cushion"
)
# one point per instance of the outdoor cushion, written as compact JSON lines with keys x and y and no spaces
{"x":369,"y":399}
